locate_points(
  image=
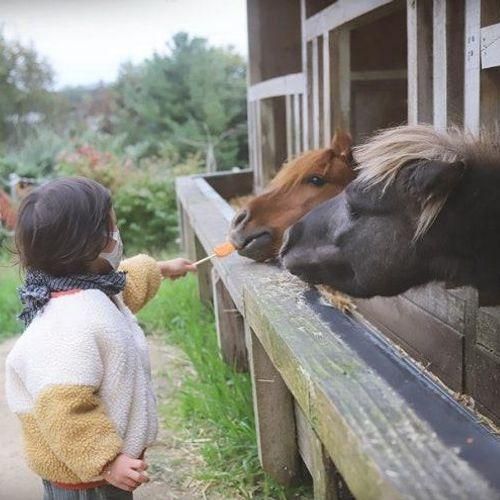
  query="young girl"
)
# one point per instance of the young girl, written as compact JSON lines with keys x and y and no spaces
{"x":79,"y":376}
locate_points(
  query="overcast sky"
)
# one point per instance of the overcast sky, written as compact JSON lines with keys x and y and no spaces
{"x":85,"y":41}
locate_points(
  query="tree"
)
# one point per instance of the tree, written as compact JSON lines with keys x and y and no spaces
{"x":194,"y":97}
{"x":25,"y":97}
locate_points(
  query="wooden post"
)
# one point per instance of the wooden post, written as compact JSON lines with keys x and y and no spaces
{"x":289,"y":126}
{"x":327,"y":132}
{"x":297,"y":123}
{"x":341,"y":78}
{"x":419,"y":21}
{"x":230,"y":326}
{"x":440,"y":64}
{"x":305,"y":106}
{"x":472,"y":65}
{"x":315,"y":93}
{"x":316,"y":459}
{"x":187,"y":234}
{"x":274,"y":415}
{"x":204,"y":275}
{"x":259,"y":180}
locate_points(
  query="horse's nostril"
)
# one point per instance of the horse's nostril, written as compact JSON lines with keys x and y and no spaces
{"x":241,"y":217}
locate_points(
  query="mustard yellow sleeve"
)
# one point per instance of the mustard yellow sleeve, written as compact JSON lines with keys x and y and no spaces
{"x":75,"y":427}
{"x":143,"y":281}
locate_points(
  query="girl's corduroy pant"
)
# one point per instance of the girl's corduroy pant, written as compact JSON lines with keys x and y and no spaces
{"x":108,"y":492}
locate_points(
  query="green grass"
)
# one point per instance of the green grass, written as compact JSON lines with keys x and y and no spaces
{"x":216,"y":403}
{"x":9,"y":301}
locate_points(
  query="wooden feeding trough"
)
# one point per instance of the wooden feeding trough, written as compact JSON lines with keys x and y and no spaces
{"x":355,"y":400}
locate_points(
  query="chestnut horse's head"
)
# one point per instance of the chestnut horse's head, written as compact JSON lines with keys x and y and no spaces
{"x":305,"y":182}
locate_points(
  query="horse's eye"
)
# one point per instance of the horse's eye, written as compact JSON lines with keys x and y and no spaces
{"x":316,"y":180}
{"x":353,"y":213}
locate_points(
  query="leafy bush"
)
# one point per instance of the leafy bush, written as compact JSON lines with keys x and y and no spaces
{"x":147,"y":213}
{"x":37,"y":156}
{"x":103,"y":167}
{"x":9,"y":301}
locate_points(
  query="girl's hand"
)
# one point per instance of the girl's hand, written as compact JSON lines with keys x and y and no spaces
{"x":125,"y":472}
{"x":176,"y":268}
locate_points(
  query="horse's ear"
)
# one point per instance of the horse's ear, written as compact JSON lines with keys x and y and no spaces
{"x":433,"y":178}
{"x":342,"y":144}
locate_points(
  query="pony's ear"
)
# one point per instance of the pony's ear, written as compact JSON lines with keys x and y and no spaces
{"x":342,"y":144}
{"x":433,"y":178}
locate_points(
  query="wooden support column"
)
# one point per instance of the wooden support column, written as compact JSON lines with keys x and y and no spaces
{"x":305,"y":107}
{"x":419,"y":20}
{"x":187,"y":234}
{"x":472,"y":65}
{"x":448,"y":62}
{"x":274,"y":416}
{"x":297,"y":123}
{"x":259,"y":180}
{"x":440,"y":65}
{"x":289,"y":126}
{"x":316,"y":459}
{"x":327,"y":132}
{"x":315,"y":94}
{"x":230,"y":326}
{"x":341,"y":83}
{"x":204,"y":275}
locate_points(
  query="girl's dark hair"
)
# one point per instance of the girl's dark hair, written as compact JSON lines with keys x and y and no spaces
{"x":63,"y":225}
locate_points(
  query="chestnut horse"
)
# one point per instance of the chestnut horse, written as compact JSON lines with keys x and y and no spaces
{"x":306,"y":181}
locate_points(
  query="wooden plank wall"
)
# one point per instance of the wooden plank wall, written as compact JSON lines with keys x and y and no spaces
{"x":357,"y":77}
{"x":483,"y":91}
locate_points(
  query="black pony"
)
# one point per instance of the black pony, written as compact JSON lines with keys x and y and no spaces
{"x":425,"y":207}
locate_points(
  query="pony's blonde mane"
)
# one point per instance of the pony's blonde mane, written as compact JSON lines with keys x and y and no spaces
{"x":296,"y":170}
{"x":383,"y":155}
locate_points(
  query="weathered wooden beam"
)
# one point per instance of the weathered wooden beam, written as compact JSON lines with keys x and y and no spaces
{"x":490,"y":46}
{"x":273,"y":47}
{"x":275,"y":87}
{"x":366,"y":425}
{"x":316,"y":459}
{"x":472,"y":65}
{"x":341,"y":82}
{"x":289,"y":125}
{"x":297,"y":123}
{"x":440,"y":64}
{"x":315,"y":93}
{"x":388,"y":74}
{"x":188,"y":243}
{"x":204,"y":275}
{"x":259,"y":173}
{"x":251,"y":136}
{"x":327,"y":128}
{"x":274,"y":416}
{"x":305,"y":65}
{"x":419,"y":26}
{"x":230,"y":184}
{"x":337,"y":14}
{"x":230,"y":326}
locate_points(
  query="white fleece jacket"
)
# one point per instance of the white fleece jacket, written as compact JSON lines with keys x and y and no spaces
{"x":79,"y":379}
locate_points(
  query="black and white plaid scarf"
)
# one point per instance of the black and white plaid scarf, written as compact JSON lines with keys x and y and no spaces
{"x":39,"y":285}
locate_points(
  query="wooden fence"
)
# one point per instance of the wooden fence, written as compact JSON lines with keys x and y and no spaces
{"x":329,"y":391}
{"x":333,"y":392}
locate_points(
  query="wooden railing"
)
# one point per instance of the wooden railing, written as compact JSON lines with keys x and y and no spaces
{"x":292,"y":88}
{"x":330,"y":389}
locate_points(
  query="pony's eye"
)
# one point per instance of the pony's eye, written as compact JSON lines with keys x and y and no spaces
{"x":316,"y":180}
{"x":353,"y":213}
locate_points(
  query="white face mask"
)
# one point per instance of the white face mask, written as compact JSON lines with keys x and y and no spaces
{"x":115,"y":256}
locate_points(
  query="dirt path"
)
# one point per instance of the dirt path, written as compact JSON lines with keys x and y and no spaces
{"x":172,"y":460}
{"x":17,"y":482}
